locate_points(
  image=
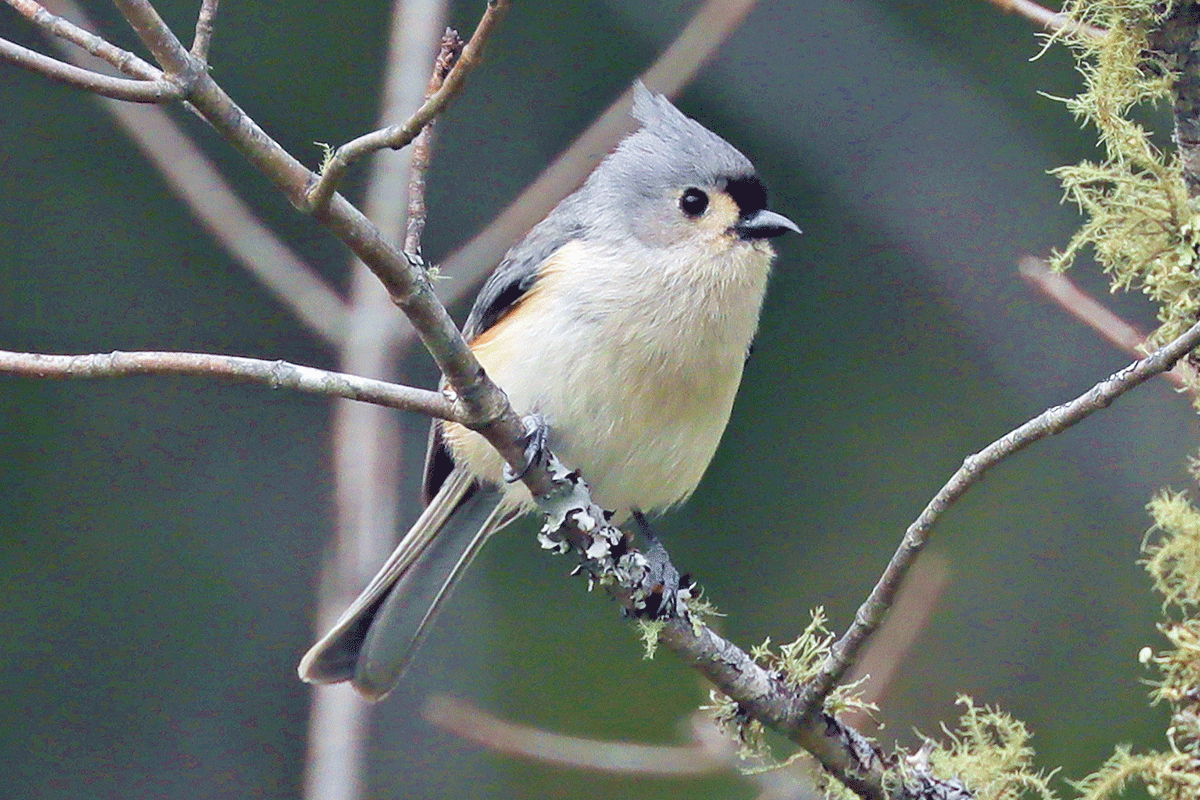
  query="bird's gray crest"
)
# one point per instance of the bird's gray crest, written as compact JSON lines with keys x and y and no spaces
{"x":673,"y":148}
{"x":650,"y":108}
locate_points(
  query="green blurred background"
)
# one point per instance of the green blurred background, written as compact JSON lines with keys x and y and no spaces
{"x":162,"y":536}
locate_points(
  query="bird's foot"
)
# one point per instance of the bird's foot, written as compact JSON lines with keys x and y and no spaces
{"x":664,"y":586}
{"x":536,"y":434}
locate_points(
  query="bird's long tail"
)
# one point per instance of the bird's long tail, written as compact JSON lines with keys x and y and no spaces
{"x":375,"y":639}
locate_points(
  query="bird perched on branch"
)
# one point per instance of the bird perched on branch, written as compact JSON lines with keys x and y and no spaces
{"x":623,"y":319}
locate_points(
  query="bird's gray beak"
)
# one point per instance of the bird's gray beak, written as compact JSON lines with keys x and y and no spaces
{"x":764,"y":224}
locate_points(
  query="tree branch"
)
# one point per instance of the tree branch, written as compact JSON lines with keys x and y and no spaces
{"x":422,"y":151}
{"x":905,"y":622}
{"x":1175,"y":40}
{"x":275,"y":374}
{"x":61,"y":28}
{"x":133,"y":91}
{"x":367,"y":445}
{"x":397,"y":136}
{"x":166,"y":48}
{"x":762,"y":695}
{"x":204,"y":30}
{"x":625,"y":758}
{"x":1054,"y":420}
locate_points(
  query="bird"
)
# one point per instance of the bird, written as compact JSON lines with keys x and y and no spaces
{"x":623,"y":321}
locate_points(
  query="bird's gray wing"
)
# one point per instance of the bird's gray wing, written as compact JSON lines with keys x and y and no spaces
{"x":518,"y":271}
{"x":504,"y":289}
{"x":375,"y":638}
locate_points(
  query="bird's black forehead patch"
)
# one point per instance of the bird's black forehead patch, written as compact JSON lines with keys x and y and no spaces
{"x":748,"y":192}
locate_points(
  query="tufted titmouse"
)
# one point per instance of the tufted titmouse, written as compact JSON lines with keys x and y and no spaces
{"x":624,"y":319}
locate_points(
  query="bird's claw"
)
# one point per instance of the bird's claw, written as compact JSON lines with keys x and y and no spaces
{"x":536,"y":434}
{"x":663,"y":584}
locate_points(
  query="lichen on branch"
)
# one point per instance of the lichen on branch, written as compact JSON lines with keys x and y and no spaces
{"x":989,"y":751}
{"x":1141,"y":223}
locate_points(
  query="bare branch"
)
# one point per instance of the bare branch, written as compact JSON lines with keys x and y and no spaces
{"x":275,"y":374}
{"x":1049,"y":422}
{"x":1053,"y":21}
{"x":625,"y":758}
{"x":204,"y":30}
{"x":908,"y":617}
{"x":397,"y":136}
{"x":422,"y":153}
{"x":133,"y":91}
{"x":64,"y":29}
{"x":170,"y":54}
{"x":1059,"y":288}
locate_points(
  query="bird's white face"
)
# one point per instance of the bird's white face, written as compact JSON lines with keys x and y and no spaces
{"x":702,"y":218}
{"x":684,"y":214}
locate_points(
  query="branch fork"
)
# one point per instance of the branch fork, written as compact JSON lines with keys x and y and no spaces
{"x":321,"y":188}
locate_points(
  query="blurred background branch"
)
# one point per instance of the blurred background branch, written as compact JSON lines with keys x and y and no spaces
{"x":367,"y":441}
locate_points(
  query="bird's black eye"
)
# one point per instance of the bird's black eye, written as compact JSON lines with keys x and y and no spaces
{"x":693,"y":202}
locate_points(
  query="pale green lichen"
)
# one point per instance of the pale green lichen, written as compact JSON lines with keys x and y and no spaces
{"x":1172,"y":550}
{"x":1145,"y":232}
{"x":327,"y":152}
{"x":648,"y":631}
{"x":795,"y":664}
{"x":1153,"y":770}
{"x":1140,"y":224}
{"x":989,"y":752}
{"x":800,"y":660}
{"x":698,"y":610}
{"x":749,"y":733}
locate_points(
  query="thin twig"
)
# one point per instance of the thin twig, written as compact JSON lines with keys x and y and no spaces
{"x":166,"y":48}
{"x":204,"y":30}
{"x":1049,"y":422}
{"x":397,"y":136}
{"x":906,"y":620}
{"x":422,"y":150}
{"x":1063,"y":291}
{"x":624,"y":758}
{"x":1053,"y":21}
{"x":275,"y":374}
{"x":711,"y":751}
{"x":133,"y":91}
{"x":61,"y":28}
